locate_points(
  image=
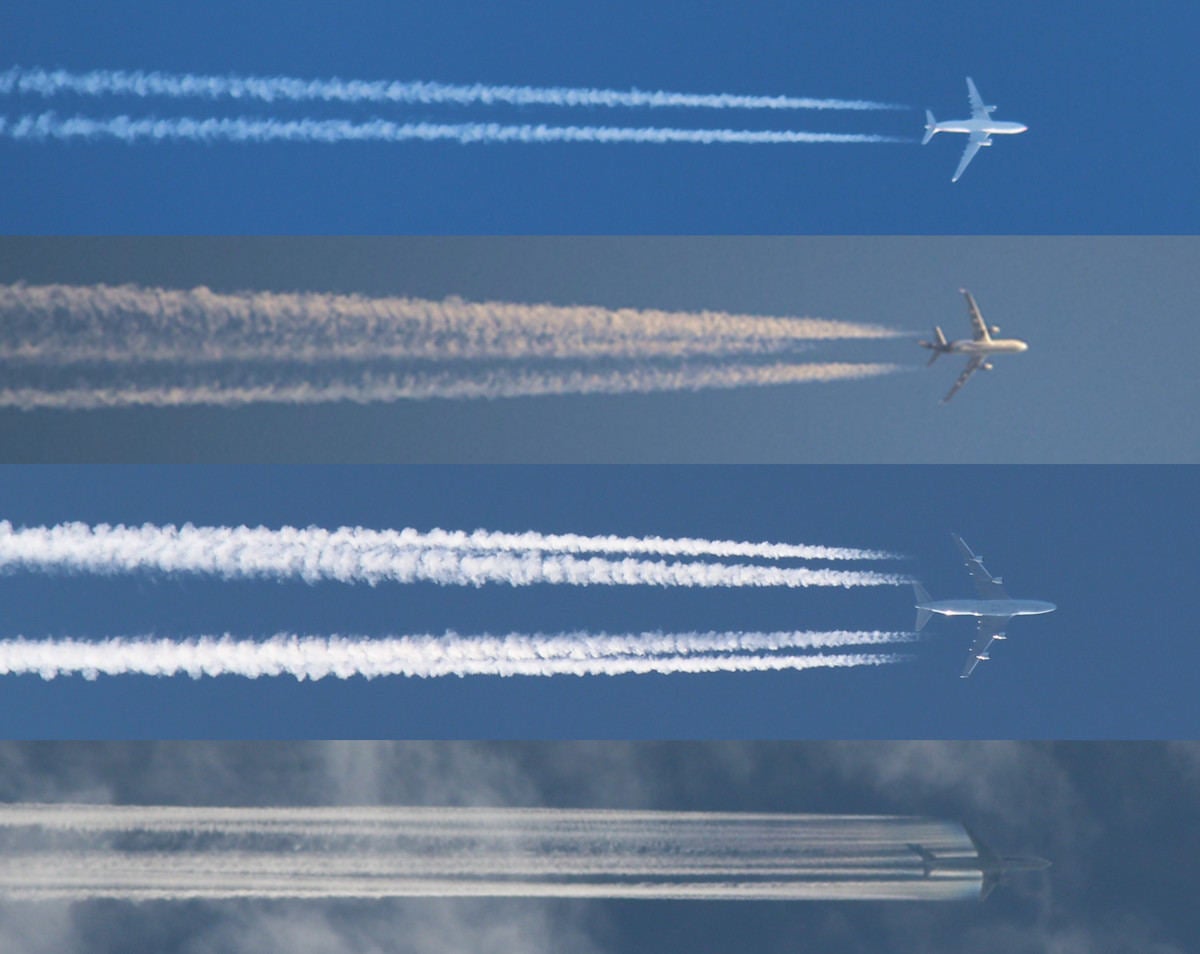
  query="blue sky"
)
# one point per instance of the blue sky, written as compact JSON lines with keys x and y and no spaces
{"x":1109,"y":377}
{"x":1104,"y":544}
{"x":1101,"y":89}
{"x":1112,"y":817}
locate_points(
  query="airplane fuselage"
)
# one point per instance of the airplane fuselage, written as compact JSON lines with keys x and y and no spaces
{"x":984,"y":127}
{"x":987,"y":346}
{"x":996,"y":608}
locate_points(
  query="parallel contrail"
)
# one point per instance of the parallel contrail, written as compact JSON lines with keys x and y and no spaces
{"x":345,"y":657}
{"x":230,"y":389}
{"x":272,"y":89}
{"x":91,"y":347}
{"x":357,"y":555}
{"x":70,"y":325}
{"x":175,"y":852}
{"x":245,"y":129}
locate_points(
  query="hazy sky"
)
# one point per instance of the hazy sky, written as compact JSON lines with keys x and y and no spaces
{"x":1112,"y":817}
{"x":1106,"y":151}
{"x":1108,"y":377}
{"x":1115,"y":660}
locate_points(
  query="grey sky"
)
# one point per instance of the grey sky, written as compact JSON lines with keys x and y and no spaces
{"x":1108,"y":377}
{"x":1110,"y":815}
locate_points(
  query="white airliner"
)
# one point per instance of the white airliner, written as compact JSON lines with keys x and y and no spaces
{"x":980,"y":127}
{"x":979,"y":346}
{"x":994,"y":608}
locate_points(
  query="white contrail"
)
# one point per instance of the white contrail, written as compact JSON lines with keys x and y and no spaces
{"x":227,"y":387}
{"x":68,"y":324}
{"x":344,"y":657}
{"x":356,"y":555}
{"x":608,"y":543}
{"x":84,"y":851}
{"x":245,"y":129}
{"x":272,"y":89}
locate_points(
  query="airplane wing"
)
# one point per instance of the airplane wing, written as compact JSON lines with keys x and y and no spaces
{"x":978,"y":326}
{"x":979,"y":110}
{"x":989,"y":630}
{"x":989,"y":587}
{"x":972,"y":366}
{"x":974,"y":141}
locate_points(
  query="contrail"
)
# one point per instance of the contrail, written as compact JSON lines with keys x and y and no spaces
{"x":272,"y":89}
{"x":357,"y":555}
{"x":128,"y":129}
{"x":607,"y":543}
{"x":71,"y":325}
{"x":90,"y":347}
{"x":177,"y":852}
{"x":345,"y":657}
{"x":230,"y":389}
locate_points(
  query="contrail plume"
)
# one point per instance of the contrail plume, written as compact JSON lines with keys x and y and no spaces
{"x":272,"y":89}
{"x":345,"y":657}
{"x":356,"y":555}
{"x":233,"y":387}
{"x":71,"y":325}
{"x":128,"y":129}
{"x":662,"y":546}
{"x":175,"y":852}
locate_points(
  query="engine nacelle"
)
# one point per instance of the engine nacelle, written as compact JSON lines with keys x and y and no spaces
{"x":995,"y":329}
{"x":987,"y":366}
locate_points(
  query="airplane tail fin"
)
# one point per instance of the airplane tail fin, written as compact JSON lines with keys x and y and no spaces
{"x":930,"y":126}
{"x":937,"y":345}
{"x":927,"y":857}
{"x":922,"y":597}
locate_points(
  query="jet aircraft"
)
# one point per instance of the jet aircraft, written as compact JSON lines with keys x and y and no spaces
{"x":994,"y":608}
{"x":979,"y":128}
{"x":979,"y":346}
{"x":994,"y":868}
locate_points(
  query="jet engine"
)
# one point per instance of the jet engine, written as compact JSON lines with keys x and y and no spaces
{"x":986,"y":366}
{"x":995,"y":329}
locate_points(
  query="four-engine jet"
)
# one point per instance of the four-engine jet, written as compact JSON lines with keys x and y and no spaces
{"x":978,"y":347}
{"x":994,"y":608}
{"x":994,"y":868}
{"x":979,"y":128}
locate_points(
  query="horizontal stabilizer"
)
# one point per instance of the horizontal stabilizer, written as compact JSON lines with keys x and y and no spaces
{"x":927,"y":857}
{"x":930,"y":126}
{"x":922,"y":597}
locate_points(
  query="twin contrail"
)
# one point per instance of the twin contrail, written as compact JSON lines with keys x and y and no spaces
{"x":87,"y":347}
{"x":243,"y":129}
{"x":176,"y":852}
{"x":425,"y":656}
{"x":290,"y":90}
{"x":274,"y":89}
{"x":359,"y":555}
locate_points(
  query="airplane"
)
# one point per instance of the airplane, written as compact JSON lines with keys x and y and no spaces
{"x":994,"y":868}
{"x":994,"y":608}
{"x":979,"y":128}
{"x":979,"y":346}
